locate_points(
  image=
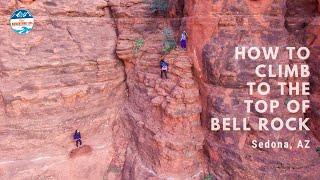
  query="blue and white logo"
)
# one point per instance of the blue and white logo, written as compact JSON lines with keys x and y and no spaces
{"x":21,"y":21}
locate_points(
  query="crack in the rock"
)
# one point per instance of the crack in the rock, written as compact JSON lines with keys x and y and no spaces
{"x":74,"y":40}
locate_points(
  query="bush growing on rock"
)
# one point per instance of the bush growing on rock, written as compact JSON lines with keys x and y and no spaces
{"x":168,"y":43}
{"x":138,"y":43}
{"x":209,"y":177}
{"x":159,"y":5}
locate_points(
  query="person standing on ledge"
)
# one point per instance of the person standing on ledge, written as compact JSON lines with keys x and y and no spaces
{"x":164,"y":67}
{"x":77,"y":137}
{"x":183,"y":40}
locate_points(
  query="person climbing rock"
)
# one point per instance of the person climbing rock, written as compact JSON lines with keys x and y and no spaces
{"x":164,"y":68}
{"x":77,"y":137}
{"x":183,"y":41}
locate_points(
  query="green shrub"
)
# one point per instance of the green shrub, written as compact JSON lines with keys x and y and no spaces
{"x":138,"y":43}
{"x":209,"y":177}
{"x":159,"y":5}
{"x":168,"y":43}
{"x":168,"y":32}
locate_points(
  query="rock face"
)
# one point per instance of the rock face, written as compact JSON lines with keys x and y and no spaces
{"x":312,"y":41}
{"x":94,"y":66}
{"x":62,"y":76}
{"x":164,"y":114}
{"x":223,"y":87}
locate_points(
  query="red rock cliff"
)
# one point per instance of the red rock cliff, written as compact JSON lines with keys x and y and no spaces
{"x":94,"y":66}
{"x":62,"y":76}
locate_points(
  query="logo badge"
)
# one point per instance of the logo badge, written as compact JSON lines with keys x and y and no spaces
{"x":21,"y":21}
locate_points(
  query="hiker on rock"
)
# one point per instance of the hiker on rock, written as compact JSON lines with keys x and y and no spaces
{"x":164,"y":68}
{"x":77,"y":137}
{"x":183,"y":40}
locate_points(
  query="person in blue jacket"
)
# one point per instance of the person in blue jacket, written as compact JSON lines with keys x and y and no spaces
{"x":183,"y":40}
{"x":77,"y":137}
{"x":164,"y":68}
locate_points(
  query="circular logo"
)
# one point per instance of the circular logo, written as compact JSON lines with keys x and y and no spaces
{"x":21,"y":21}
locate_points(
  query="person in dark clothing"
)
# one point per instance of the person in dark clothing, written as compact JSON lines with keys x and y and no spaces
{"x":77,"y":137}
{"x":164,"y":68}
{"x":183,"y":40}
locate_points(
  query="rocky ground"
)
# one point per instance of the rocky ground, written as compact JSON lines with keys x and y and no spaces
{"x":83,"y":66}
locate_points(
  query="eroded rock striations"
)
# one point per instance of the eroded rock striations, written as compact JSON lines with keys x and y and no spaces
{"x":94,"y":66}
{"x":222,"y":82}
{"x":62,"y":76}
{"x":164,"y":114}
{"x":311,"y":33}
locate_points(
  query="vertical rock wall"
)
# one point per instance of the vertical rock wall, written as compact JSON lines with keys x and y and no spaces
{"x":62,"y":76}
{"x":164,"y":114}
{"x":223,"y":87}
{"x":312,"y":41}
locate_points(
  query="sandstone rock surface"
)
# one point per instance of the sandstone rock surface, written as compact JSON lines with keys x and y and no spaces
{"x":94,"y":66}
{"x":62,"y":76}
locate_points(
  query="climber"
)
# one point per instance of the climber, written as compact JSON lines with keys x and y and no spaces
{"x":183,"y":41}
{"x":164,"y":67}
{"x":77,"y":137}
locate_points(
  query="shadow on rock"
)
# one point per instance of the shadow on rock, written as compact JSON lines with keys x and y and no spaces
{"x":83,"y":150}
